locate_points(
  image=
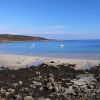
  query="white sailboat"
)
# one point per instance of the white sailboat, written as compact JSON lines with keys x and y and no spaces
{"x":61,"y":45}
{"x":33,"y":45}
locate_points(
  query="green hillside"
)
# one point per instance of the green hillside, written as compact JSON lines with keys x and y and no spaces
{"x":14,"y":38}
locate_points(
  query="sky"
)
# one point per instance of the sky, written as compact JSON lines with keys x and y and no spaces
{"x":56,"y":19}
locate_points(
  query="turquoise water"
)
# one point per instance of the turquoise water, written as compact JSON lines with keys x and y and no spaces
{"x":52,"y":48}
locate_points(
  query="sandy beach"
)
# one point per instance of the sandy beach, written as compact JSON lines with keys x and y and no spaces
{"x":19,"y":61}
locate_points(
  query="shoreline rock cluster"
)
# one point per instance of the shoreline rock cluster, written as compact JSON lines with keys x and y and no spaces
{"x":50,"y":81}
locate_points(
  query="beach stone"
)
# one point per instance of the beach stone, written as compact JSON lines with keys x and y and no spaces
{"x":20,"y":82}
{"x":21,"y":89}
{"x":17,"y":97}
{"x":39,"y":83}
{"x":52,"y":86}
{"x":41,"y":98}
{"x":11,"y":90}
{"x":38,"y":73}
{"x":51,"y":77}
{"x":28,"y":98}
{"x":53,"y":65}
{"x":41,"y":89}
{"x":47,"y":99}
{"x":2,"y":90}
{"x":56,"y":89}
{"x":26,"y":89}
{"x":34,"y":82}
{"x":49,"y":86}
{"x":40,"y":76}
{"x":52,"y":62}
{"x":33,"y":86}
{"x":7,"y":94}
{"x":13,"y":76}
{"x":62,"y":90}
{"x":15,"y":85}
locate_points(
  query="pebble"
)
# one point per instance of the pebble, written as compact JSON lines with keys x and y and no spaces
{"x":2,"y":90}
{"x":28,"y":98}
{"x":11,"y":90}
{"x":20,"y":82}
{"x":15,"y":85}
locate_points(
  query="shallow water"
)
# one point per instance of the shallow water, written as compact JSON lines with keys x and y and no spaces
{"x":71,"y":48}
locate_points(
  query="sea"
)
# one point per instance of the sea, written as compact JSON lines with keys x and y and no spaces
{"x":66,"y":49}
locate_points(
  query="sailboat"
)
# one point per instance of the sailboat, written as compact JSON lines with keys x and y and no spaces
{"x":33,"y":45}
{"x":61,"y":45}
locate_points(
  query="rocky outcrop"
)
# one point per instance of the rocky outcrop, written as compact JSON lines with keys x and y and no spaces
{"x":50,"y":81}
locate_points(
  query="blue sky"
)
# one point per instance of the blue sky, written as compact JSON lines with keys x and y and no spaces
{"x":60,"y":19}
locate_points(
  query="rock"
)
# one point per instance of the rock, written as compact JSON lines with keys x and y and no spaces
{"x":41,"y":89}
{"x":2,"y":99}
{"x":52,"y":86}
{"x":47,"y":99}
{"x":41,"y":98}
{"x":21,"y":89}
{"x":26,"y":89}
{"x":17,"y":97}
{"x":28,"y":98}
{"x":34,"y":82}
{"x":40,"y":76}
{"x":7,"y":94}
{"x":38,"y":83}
{"x":11,"y":90}
{"x":15,"y":85}
{"x":51,"y":77}
{"x":20,"y":82}
{"x":51,"y":65}
{"x":33,"y":86}
{"x":38,"y":73}
{"x":52,"y":62}
{"x":49,"y":83}
{"x":13,"y":76}
{"x":2,"y":68}
{"x":61,"y":90}
{"x":2,"y":90}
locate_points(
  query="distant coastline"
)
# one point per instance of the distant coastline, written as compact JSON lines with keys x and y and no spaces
{"x":19,"y":38}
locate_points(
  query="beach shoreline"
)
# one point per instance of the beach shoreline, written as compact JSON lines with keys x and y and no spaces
{"x":13,"y":61}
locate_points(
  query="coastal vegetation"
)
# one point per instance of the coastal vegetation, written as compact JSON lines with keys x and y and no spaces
{"x":15,"y":38}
